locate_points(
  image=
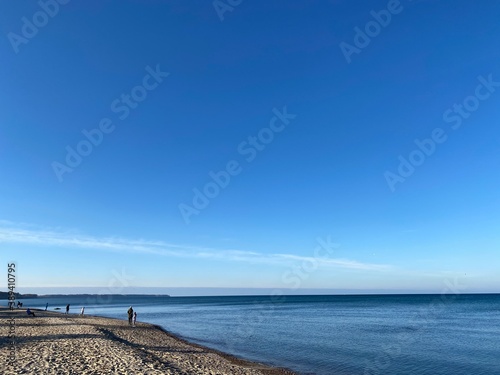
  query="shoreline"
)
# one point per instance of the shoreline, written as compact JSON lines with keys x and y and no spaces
{"x":264,"y":368}
{"x":74,"y":344}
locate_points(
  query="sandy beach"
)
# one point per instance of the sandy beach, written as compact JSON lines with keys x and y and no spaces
{"x":55,"y":343}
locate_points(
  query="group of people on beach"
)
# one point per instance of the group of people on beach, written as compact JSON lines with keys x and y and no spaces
{"x":132,"y":316}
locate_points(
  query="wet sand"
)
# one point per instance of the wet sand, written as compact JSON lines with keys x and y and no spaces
{"x":55,"y":343}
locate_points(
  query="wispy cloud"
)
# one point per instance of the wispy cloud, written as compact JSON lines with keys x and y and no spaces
{"x":26,"y":234}
{"x":343,"y":263}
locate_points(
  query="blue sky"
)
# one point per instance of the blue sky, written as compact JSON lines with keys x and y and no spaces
{"x":311,"y":110}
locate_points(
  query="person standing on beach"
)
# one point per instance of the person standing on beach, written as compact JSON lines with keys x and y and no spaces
{"x":67,"y":308}
{"x":130,"y":313}
{"x":83,"y":310}
{"x":134,"y":319}
{"x":46,"y":306}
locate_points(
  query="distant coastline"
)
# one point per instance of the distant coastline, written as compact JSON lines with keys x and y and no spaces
{"x":101,"y":295}
{"x":5,"y":295}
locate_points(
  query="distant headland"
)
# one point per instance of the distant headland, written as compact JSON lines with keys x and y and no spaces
{"x":5,"y":295}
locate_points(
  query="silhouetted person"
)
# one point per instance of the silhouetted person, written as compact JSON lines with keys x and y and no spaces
{"x":134,"y":319}
{"x":67,"y":308}
{"x":83,"y":310}
{"x":130,"y":313}
{"x":46,"y":306}
{"x":29,"y":312}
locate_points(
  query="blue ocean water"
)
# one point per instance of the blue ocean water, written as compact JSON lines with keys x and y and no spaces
{"x":341,"y":335}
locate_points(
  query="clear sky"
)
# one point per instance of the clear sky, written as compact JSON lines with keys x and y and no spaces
{"x":350,"y":146}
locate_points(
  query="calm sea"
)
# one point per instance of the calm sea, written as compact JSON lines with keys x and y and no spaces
{"x":341,"y":335}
